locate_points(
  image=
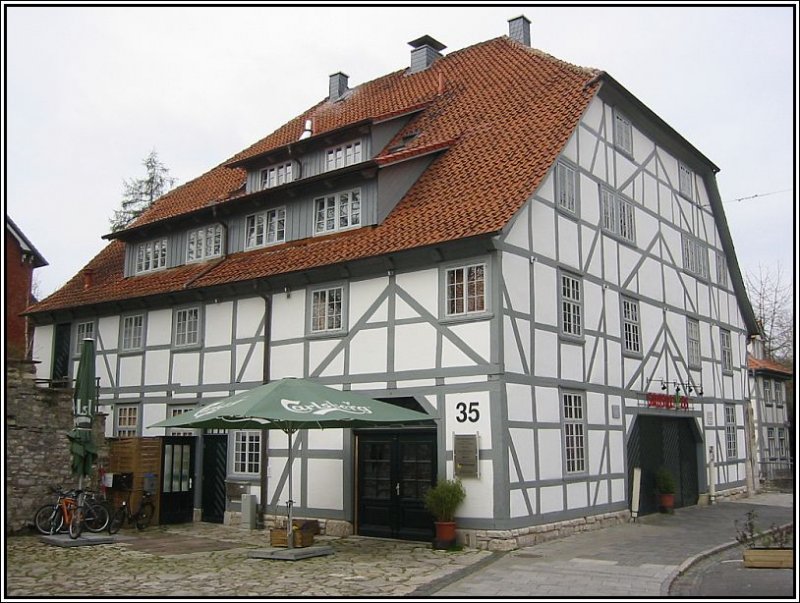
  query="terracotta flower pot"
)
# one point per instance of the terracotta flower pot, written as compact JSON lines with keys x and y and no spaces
{"x":445,"y":534}
{"x":666,"y":503}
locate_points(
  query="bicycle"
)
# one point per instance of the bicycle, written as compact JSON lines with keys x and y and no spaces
{"x":141,"y":518}
{"x":55,"y":517}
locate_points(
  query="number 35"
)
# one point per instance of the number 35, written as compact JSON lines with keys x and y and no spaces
{"x":467,"y":412}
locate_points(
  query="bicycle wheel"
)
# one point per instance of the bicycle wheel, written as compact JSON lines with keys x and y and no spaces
{"x":47,"y":516}
{"x":145,"y":515}
{"x":76,"y":522}
{"x":96,"y":517}
{"x":116,"y":521}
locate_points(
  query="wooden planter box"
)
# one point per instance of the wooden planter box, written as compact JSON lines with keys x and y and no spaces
{"x":277,"y":537}
{"x":772,"y":558}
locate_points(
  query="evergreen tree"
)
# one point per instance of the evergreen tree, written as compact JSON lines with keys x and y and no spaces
{"x":140,"y":193}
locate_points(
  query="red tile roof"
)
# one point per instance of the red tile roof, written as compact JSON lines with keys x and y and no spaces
{"x":499,"y":111}
{"x":758,"y":364}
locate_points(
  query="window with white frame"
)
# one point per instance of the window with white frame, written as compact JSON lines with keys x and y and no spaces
{"x":685,"y":181}
{"x":778,"y":391}
{"x":247,"y":452}
{"x":265,"y":228}
{"x":771,"y":450}
{"x":693,"y":336}
{"x":623,"y":133}
{"x":695,"y":256}
{"x":631,"y":332}
{"x":83,"y":330}
{"x":571,"y":306}
{"x":338,"y":211}
{"x":782,"y":450}
{"x":619,"y":216}
{"x":326,"y":309}
{"x":726,"y":350}
{"x":132,"y":332}
{"x":574,"y":436}
{"x":276,"y":175}
{"x":342,"y":156}
{"x":151,"y":255}
{"x":722,"y":270}
{"x":127,"y":420}
{"x":730,"y":431}
{"x":466,"y":290}
{"x":174,"y":411}
{"x":767,"y":384}
{"x":187,"y":326}
{"x":566,"y":187}
{"x":204,"y":243}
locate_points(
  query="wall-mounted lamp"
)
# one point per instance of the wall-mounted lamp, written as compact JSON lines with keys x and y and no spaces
{"x":287,"y":291}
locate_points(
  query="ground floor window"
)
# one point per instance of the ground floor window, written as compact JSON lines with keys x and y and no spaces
{"x":247,"y":452}
{"x":127,"y":421}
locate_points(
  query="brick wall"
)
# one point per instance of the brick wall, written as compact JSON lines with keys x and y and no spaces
{"x":19,"y":275}
{"x":37,"y":448}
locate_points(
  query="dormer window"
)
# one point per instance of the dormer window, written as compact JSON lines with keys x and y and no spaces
{"x":276,"y":175}
{"x":151,"y":255}
{"x":265,"y":228}
{"x":342,"y":156}
{"x":204,"y":243}
{"x":338,"y":211}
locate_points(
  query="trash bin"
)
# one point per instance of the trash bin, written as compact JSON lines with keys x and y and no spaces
{"x":249,"y":511}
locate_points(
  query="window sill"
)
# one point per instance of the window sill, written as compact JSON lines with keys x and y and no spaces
{"x":326,"y":334}
{"x":632,"y":355}
{"x":471,"y":317}
{"x":619,"y":239}
{"x":567,"y":338}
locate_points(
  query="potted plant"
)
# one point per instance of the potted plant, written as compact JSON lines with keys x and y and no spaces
{"x":442,"y":500}
{"x":771,"y":549}
{"x":665,"y":487}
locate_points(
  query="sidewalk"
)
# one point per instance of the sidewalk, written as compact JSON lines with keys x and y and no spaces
{"x":639,"y":559}
{"x":207,"y":560}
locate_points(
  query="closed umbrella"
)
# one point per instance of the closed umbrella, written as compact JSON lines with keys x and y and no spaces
{"x":82,"y":448}
{"x":290,"y":404}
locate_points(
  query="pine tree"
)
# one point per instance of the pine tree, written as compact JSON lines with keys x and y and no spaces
{"x":140,"y":193}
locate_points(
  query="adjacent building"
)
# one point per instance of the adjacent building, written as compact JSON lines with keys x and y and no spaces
{"x":516,"y":245}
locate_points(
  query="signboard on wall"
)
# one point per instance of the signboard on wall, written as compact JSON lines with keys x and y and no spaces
{"x":465,"y":455}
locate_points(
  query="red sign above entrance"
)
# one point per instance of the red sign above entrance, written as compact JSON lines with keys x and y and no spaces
{"x":667,"y":401}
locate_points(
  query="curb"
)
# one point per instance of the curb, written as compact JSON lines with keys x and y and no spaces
{"x":688,"y":563}
{"x":427,"y":590}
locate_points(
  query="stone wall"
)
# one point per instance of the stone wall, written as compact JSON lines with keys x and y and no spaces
{"x":37,"y":448}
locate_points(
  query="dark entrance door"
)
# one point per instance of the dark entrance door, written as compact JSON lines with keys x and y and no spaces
{"x":60,"y":371}
{"x":215,"y":459}
{"x":657,"y":441}
{"x":177,"y":491}
{"x":394,"y":471}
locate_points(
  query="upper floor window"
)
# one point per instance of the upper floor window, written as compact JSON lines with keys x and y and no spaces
{"x":247,"y":452}
{"x":771,"y":443}
{"x":574,"y":441}
{"x":695,"y":257}
{"x":327,"y":309}
{"x":338,"y":211}
{"x":151,"y":255}
{"x":722,"y":270}
{"x":203,"y":243}
{"x":631,"y":340}
{"x":767,"y":392}
{"x":778,"y":385}
{"x":83,"y":330}
{"x":276,"y":175}
{"x":623,"y":133}
{"x":618,"y":216}
{"x":693,"y":335}
{"x":726,"y":350}
{"x":566,"y":187}
{"x":571,"y":306}
{"x":127,"y":424}
{"x":782,"y":450}
{"x":133,"y":332}
{"x":265,"y":228}
{"x":685,"y":181}
{"x":174,"y":411}
{"x":344,"y":155}
{"x":466,"y":290}
{"x":730,"y":431}
{"x":187,"y":326}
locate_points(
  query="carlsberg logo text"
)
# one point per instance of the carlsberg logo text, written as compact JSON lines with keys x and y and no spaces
{"x":323,"y":408}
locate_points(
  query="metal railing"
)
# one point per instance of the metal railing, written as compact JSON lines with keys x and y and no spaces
{"x":781,"y":471}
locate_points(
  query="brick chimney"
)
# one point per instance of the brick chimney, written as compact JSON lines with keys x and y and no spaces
{"x":425,"y":51}
{"x":337,"y":86}
{"x":88,"y":277}
{"x":519,"y":29}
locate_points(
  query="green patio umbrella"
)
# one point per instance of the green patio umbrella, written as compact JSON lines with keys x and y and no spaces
{"x":290,"y":404}
{"x":82,"y":448}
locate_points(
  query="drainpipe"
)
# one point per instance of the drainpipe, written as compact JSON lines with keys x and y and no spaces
{"x":265,"y":432}
{"x":711,"y":476}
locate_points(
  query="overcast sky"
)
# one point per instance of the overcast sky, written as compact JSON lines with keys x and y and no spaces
{"x":91,"y":91}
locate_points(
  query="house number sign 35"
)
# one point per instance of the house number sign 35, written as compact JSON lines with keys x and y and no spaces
{"x":467,"y":412}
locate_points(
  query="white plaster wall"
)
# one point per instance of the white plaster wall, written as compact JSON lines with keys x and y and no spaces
{"x":571,"y":149}
{"x":368,"y":351}
{"x":593,"y":116}
{"x":319,"y":350}
{"x":43,"y":350}
{"x":595,"y":408}
{"x":617,"y":490}
{"x":571,"y":361}
{"x":415,"y":347}
{"x":545,"y":300}
{"x":185,"y":368}
{"x":550,"y":454}
{"x":543,"y":232}
{"x":518,"y":233}
{"x":325,"y":439}
{"x":599,"y":492}
{"x":526,"y":453}
{"x":285,"y":361}
{"x":576,"y":495}
{"x":108,"y":332}
{"x":423,"y":287}
{"x":105,"y":368}
{"x":519,"y":402}
{"x":595,"y":455}
{"x":362,"y":295}
{"x":516,"y":361}
{"x":130,"y":370}
{"x":218,"y":318}
{"x":217,"y":367}
{"x":482,"y":426}
{"x":156,"y":369}
{"x":288,"y":315}
{"x":150,"y":414}
{"x":480,"y":492}
{"x":250,"y":312}
{"x":568,"y":246}
{"x":551,"y":499}
{"x":546,"y":353}
{"x":159,"y":327}
{"x":516,"y":277}
{"x":592,"y":305}
{"x":610,"y":253}
{"x":589,"y":199}
{"x":325,"y":484}
{"x":254,"y":371}
{"x":476,"y":335}
{"x":548,"y":406}
{"x":518,"y":508}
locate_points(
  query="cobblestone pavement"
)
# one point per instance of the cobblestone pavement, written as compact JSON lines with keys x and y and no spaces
{"x":359,"y":567}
